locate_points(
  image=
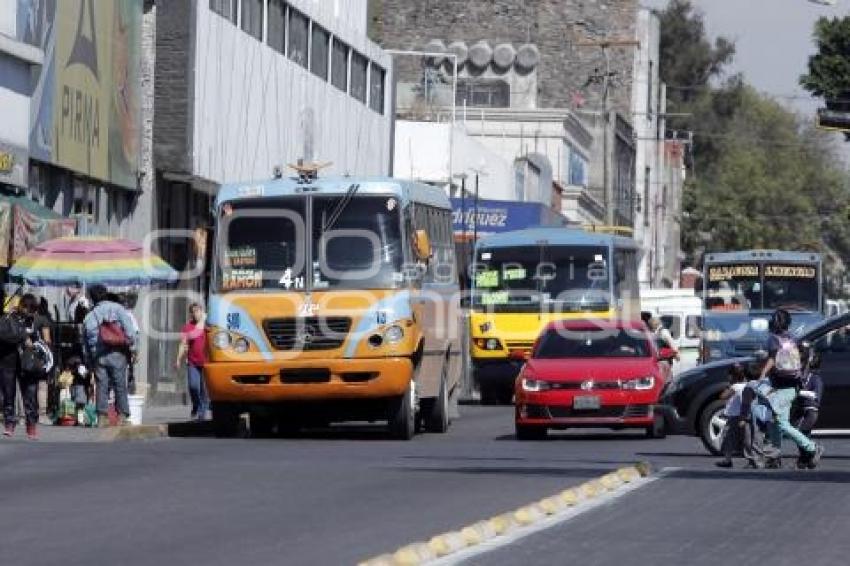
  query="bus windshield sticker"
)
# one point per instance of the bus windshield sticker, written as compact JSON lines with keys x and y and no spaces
{"x":486,"y":256}
{"x":598,"y":258}
{"x":391,"y":204}
{"x":495,"y":298}
{"x":234,"y":321}
{"x":729,"y":272}
{"x":514,"y":273}
{"x":287,"y":281}
{"x":242,"y":279}
{"x":487,"y":279}
{"x":790,"y":271}
{"x":242,"y":257}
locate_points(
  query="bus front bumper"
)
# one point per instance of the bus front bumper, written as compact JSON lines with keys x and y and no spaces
{"x":308,"y":380}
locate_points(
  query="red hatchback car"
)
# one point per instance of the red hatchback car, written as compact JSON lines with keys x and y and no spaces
{"x":592,"y":373}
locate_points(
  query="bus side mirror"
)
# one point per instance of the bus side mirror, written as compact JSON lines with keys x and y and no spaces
{"x":422,"y":246}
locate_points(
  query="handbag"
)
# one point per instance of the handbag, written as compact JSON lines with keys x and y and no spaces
{"x":37,"y":359}
{"x":12,"y":330}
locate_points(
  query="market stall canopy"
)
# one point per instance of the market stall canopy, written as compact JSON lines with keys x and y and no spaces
{"x":92,"y":260}
{"x":24,"y":223}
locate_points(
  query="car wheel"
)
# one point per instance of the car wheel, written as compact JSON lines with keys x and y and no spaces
{"x":262,"y":425}
{"x":657,"y":429}
{"x":437,"y":417}
{"x":531,"y":432}
{"x":712,"y":426}
{"x":402,"y":418}
{"x":226,"y":419}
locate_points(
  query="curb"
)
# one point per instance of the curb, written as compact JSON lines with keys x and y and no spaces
{"x":139,"y":432}
{"x":442,"y":547}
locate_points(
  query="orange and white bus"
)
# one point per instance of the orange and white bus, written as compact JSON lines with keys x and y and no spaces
{"x":332,"y":300}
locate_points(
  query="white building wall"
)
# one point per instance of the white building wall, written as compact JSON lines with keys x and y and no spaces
{"x":254,"y":107}
{"x":649,"y":149}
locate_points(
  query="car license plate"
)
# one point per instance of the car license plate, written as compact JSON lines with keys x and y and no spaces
{"x":586,"y":403}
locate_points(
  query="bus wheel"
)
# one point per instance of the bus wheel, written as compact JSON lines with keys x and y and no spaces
{"x":402,"y":418}
{"x":226,"y":419}
{"x":437,"y":418}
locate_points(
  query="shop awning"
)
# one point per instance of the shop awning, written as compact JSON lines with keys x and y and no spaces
{"x":24,"y":223}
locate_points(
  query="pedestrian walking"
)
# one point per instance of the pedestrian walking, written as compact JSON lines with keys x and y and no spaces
{"x":742,"y":434}
{"x":784,"y":369}
{"x":193,"y":350}
{"x":111,"y":341}
{"x":804,"y":412}
{"x":25,"y":359}
{"x":663,"y":335}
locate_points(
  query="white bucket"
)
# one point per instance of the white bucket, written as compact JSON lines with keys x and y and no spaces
{"x":137,"y":405}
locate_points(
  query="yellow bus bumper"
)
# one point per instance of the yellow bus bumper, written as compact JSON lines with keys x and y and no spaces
{"x":308,"y":380}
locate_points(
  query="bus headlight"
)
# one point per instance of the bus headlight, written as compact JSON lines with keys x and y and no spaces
{"x":394,"y":334}
{"x":640,"y":384}
{"x":240,"y":346}
{"x":489,"y":344}
{"x":221,"y":340}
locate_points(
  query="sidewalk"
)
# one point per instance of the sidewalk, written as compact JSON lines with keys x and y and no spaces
{"x":157,"y":422}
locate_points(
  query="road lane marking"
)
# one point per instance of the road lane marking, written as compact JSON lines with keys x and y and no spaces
{"x":505,"y":529}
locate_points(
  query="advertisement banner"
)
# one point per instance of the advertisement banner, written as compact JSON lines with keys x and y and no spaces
{"x":14,"y":165}
{"x":5,"y":231}
{"x":497,"y":216}
{"x":31,"y":229}
{"x":86,"y":103}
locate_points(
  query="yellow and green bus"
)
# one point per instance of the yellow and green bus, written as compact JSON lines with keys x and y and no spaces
{"x":523,"y":280}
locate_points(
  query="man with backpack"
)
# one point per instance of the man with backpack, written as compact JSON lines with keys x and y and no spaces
{"x":111,"y":340}
{"x":784,"y":368}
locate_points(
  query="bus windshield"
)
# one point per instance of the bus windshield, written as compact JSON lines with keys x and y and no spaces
{"x":742,"y":287}
{"x":561,"y":278}
{"x":354,"y":243}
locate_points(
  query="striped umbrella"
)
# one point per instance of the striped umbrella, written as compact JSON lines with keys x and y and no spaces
{"x":91,"y":260}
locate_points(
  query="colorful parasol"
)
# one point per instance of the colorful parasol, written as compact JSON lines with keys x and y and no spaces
{"x":91,"y":260}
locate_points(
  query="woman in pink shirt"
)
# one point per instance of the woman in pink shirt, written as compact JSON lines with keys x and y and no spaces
{"x":193,"y":348}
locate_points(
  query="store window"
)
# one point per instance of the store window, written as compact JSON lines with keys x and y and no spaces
{"x":319,"y":48}
{"x":252,"y":18}
{"x":225,"y":8}
{"x":339,"y":65}
{"x":377,"y":77}
{"x":277,"y":25}
{"x":359,"y":73}
{"x":298,"y":37}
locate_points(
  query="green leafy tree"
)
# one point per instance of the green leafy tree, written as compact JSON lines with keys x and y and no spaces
{"x":829,"y":68}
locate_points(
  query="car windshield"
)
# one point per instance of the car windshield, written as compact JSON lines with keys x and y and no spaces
{"x":596,"y":343}
{"x":559,"y":278}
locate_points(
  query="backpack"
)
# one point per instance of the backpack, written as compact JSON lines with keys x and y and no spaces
{"x":37,"y":359}
{"x":112,"y":334}
{"x":787,"y":365}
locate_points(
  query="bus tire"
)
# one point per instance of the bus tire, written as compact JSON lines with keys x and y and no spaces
{"x":226,"y":419}
{"x":262,"y":425}
{"x":437,"y":418}
{"x":402,"y":418}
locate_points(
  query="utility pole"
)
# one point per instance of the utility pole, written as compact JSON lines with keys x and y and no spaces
{"x":605,"y":45}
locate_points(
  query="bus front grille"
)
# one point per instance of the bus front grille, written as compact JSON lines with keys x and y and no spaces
{"x":309,"y":333}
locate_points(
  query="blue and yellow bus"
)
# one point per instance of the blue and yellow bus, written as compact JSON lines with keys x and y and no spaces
{"x":333,"y":299}
{"x":523,"y":280}
{"x":741,"y":289}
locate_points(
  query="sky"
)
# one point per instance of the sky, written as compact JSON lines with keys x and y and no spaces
{"x":773,"y":40}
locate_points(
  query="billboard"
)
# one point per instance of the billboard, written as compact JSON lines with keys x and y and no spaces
{"x":85,"y":112}
{"x":497,"y":216}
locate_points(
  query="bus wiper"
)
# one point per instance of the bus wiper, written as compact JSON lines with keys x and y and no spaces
{"x":340,"y":208}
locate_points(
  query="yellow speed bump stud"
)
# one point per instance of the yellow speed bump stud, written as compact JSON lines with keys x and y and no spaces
{"x":471,"y":536}
{"x":644,"y":468}
{"x":629,"y":474}
{"x":569,"y":497}
{"x":528,"y":514}
{"x":501,"y":523}
{"x":610,"y":481}
{"x":550,"y":505}
{"x":383,"y":560}
{"x":410,"y":555}
{"x":589,"y":489}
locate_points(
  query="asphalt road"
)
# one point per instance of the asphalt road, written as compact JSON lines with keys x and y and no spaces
{"x":337,"y":497}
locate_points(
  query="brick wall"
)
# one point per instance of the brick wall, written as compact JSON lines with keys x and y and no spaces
{"x":173,"y":85}
{"x":564,"y":67}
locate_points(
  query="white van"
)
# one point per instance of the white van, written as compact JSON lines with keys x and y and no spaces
{"x":680,"y":311}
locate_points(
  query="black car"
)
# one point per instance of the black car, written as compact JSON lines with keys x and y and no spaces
{"x":691,"y":403}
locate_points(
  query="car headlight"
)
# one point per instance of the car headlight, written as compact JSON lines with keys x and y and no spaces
{"x":394,"y":334}
{"x":530,"y":384}
{"x":640,"y":384}
{"x":241,"y":345}
{"x":221,"y":340}
{"x":712,"y":336}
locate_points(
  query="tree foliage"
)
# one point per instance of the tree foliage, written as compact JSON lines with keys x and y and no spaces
{"x":759,"y":177}
{"x":829,"y":68}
